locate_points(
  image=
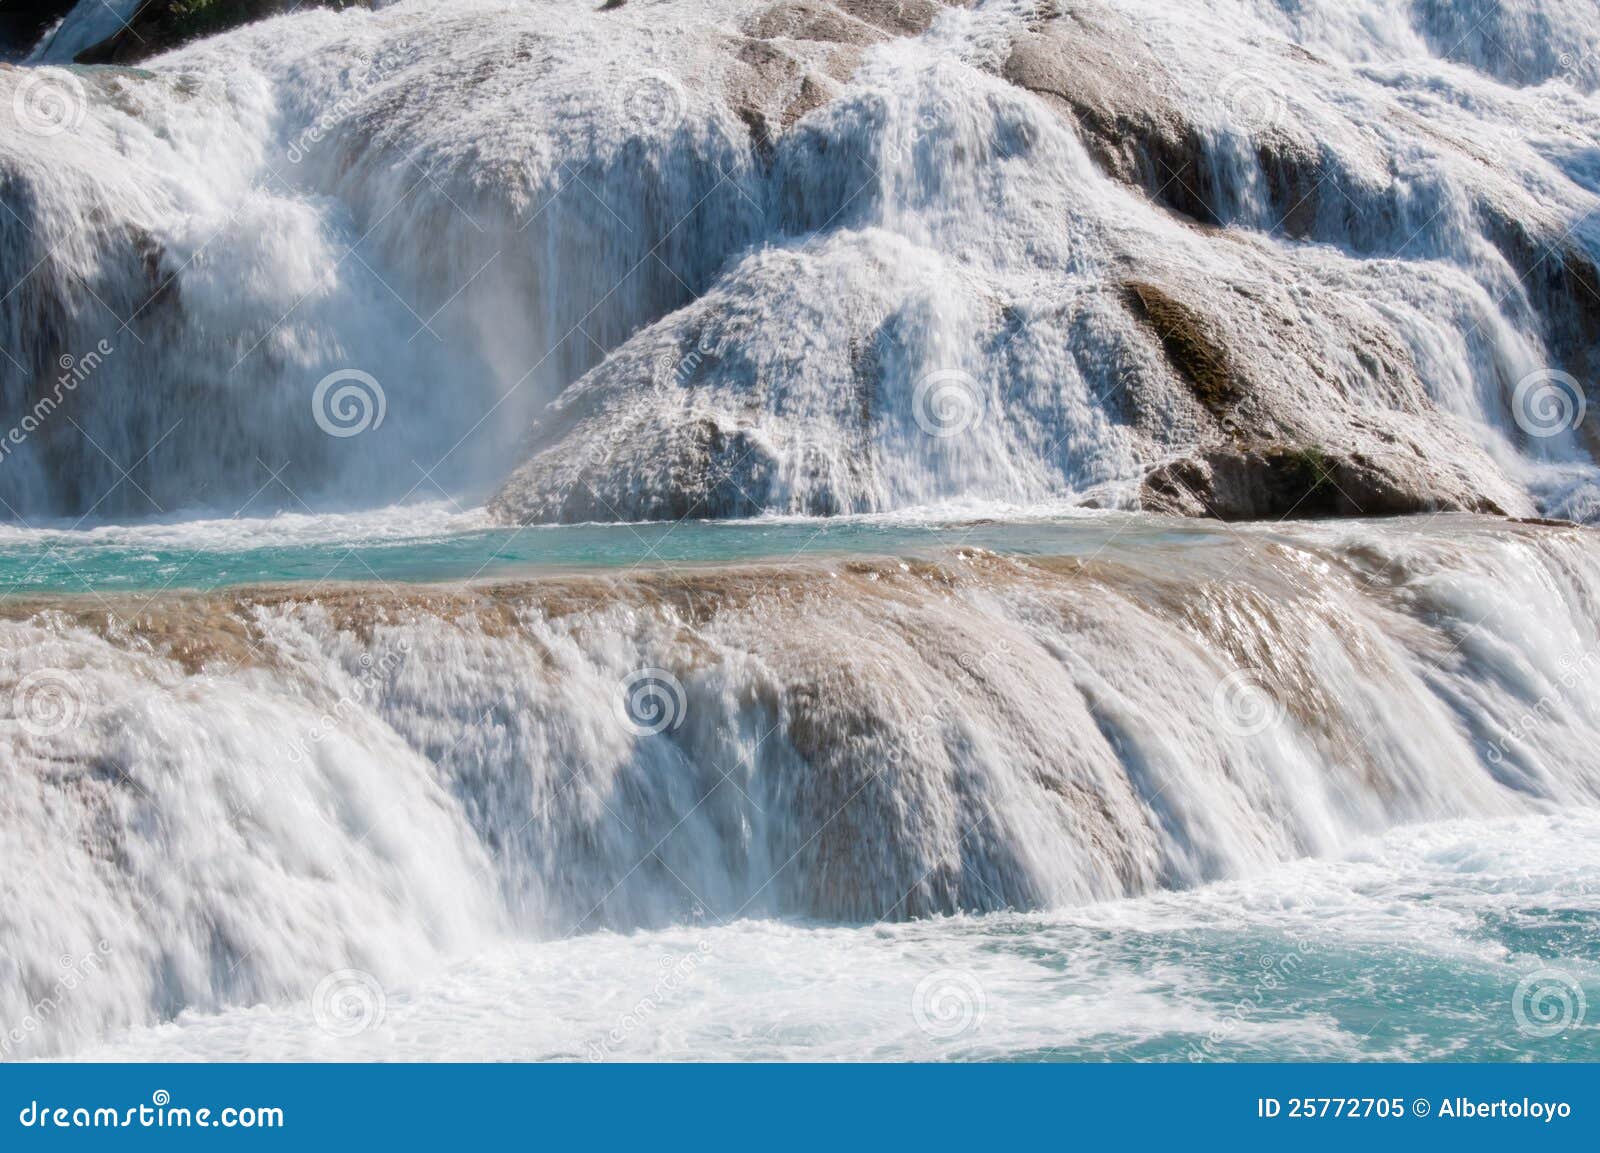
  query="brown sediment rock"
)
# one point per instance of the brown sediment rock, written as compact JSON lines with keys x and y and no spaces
{"x":1287,"y":439}
{"x":1091,"y":66}
{"x":1278,"y":481}
{"x":796,"y":54}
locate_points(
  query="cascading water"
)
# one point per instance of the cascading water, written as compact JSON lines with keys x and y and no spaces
{"x":239,"y":794}
{"x":238,"y":232}
{"x":913,"y":287}
{"x":472,"y":205}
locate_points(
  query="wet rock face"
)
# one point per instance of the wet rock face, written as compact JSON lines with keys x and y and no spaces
{"x":1562,"y":281}
{"x":1286,"y":437}
{"x":1090,"y":65}
{"x":845,"y":21}
{"x":161,"y":25}
{"x":1277,"y":445}
{"x":696,"y":469}
{"x":795,"y":55}
{"x":1194,"y":352}
{"x":1283,"y":481}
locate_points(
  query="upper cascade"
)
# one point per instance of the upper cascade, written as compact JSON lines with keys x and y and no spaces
{"x":715,"y":259}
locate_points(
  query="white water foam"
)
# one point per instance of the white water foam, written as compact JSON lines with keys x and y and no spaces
{"x":1312,"y":952}
{"x":421,"y":522}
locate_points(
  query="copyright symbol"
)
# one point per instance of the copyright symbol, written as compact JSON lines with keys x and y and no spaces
{"x":1420,"y":1107}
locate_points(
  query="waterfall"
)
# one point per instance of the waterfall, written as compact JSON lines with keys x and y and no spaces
{"x":291,"y":205}
{"x":761,"y":264}
{"x":453,"y":276}
{"x":84,"y":26}
{"x":241,"y":793}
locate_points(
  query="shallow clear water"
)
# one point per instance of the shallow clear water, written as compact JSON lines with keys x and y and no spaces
{"x":440,"y":543}
{"x":436,"y":545}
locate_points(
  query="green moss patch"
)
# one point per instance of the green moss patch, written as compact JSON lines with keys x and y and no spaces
{"x":1198,"y":358}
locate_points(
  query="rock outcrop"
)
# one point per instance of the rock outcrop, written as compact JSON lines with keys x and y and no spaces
{"x":1247,"y":142}
{"x":1275,"y":482}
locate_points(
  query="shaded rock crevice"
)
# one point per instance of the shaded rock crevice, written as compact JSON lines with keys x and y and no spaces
{"x":1279,"y":481}
{"x":23,"y":22}
{"x":162,"y":25}
{"x":1090,"y":66}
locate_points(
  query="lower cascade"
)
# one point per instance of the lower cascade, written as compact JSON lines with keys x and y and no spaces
{"x":238,"y":792}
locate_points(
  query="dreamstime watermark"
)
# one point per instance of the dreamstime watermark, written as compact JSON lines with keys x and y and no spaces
{"x":1251,"y":102}
{"x":76,"y":969}
{"x":48,"y":102}
{"x":650,"y":701}
{"x":949,"y":1004}
{"x":675,"y":973}
{"x":313,"y":134}
{"x":1548,"y":402}
{"x":1548,"y":1002}
{"x":348,"y":1002}
{"x":1577,"y":671}
{"x":73,"y":372}
{"x":652,"y":101}
{"x":676,"y":367}
{"x":1275,"y":971}
{"x":348,"y":402}
{"x":1244,"y":706}
{"x":375,"y":671}
{"x":160,"y":1113}
{"x":1580,"y":67}
{"x":48,"y":702}
{"x":948,"y":402}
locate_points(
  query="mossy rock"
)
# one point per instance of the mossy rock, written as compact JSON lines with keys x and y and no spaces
{"x":1196,"y":355}
{"x":163,"y":25}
